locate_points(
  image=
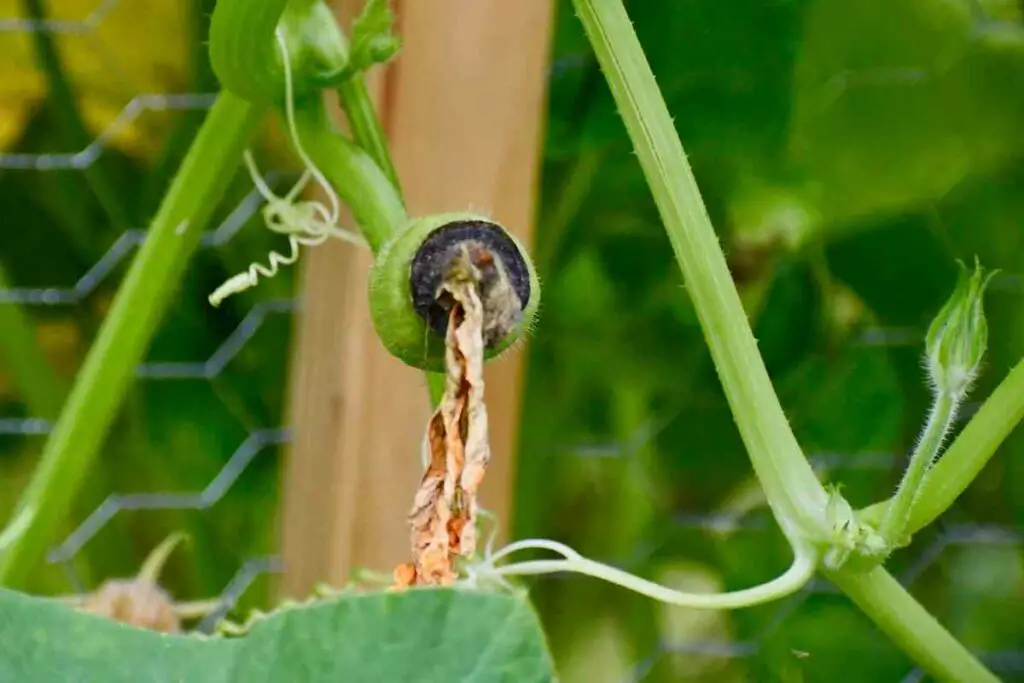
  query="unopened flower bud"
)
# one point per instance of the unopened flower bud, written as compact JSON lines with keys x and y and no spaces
{"x":958,"y":336}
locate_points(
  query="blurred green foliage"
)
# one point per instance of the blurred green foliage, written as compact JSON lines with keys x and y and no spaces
{"x":847,"y":152}
{"x":173,"y":435}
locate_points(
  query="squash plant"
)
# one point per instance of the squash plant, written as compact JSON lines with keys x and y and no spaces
{"x":463,"y":620}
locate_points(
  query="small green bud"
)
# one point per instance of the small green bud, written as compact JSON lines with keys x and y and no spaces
{"x":382,"y":48}
{"x":958,"y":336}
{"x":848,"y":537}
{"x":373,"y":38}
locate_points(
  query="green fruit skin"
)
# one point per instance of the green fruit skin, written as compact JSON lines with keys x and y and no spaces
{"x":404,"y":334}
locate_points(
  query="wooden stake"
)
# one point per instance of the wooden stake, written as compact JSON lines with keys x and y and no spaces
{"x":463,"y":106}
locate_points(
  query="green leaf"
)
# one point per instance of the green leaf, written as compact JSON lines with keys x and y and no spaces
{"x":427,"y":636}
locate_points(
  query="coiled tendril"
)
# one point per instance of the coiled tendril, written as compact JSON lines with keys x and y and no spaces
{"x":307,"y":223}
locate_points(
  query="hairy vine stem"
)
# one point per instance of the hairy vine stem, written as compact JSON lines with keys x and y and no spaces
{"x":255,"y":75}
{"x":797,"y":499}
{"x":793,"y":491}
{"x":940,"y":420}
{"x":998,"y":416}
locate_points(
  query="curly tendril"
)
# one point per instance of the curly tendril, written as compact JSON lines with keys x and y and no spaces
{"x":307,"y":223}
{"x":410,"y":255}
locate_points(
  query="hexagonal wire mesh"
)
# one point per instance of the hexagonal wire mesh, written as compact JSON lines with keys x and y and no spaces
{"x":259,"y":439}
{"x":118,"y":254}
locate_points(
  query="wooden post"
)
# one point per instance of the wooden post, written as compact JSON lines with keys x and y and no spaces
{"x":463,"y":106}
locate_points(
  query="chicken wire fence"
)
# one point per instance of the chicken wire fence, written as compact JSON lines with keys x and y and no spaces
{"x":260,"y":440}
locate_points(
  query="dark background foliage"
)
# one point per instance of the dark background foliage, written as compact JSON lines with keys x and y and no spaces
{"x":848,"y":154}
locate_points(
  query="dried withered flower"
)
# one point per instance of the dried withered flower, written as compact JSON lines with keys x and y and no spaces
{"x":443,"y":516}
{"x":141,"y":601}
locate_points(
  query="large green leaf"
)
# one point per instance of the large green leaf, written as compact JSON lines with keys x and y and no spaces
{"x":442,"y":636}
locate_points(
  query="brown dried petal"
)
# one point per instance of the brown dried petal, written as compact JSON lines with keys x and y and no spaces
{"x":136,"y":602}
{"x":443,"y":515}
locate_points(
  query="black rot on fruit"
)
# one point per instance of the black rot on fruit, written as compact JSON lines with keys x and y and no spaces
{"x":491,"y":254}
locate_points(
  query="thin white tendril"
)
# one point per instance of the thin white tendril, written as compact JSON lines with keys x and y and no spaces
{"x":794,"y":578}
{"x":306,"y":223}
{"x":289,"y":108}
{"x":487,"y":515}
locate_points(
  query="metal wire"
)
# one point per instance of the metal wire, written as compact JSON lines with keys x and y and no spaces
{"x":948,"y":539}
{"x":119,"y":252}
{"x":256,"y":441}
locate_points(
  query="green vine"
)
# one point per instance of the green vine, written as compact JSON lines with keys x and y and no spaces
{"x":803,"y":508}
{"x":280,"y":54}
{"x":359,"y":171}
{"x":136,"y":310}
{"x":26,"y":361}
{"x":998,"y":416}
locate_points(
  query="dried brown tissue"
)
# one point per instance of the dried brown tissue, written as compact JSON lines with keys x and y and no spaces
{"x":444,"y":511}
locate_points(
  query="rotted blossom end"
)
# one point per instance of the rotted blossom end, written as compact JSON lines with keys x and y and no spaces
{"x":408,"y":301}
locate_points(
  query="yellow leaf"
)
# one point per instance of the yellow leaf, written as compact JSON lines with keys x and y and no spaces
{"x":112,"y":52}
